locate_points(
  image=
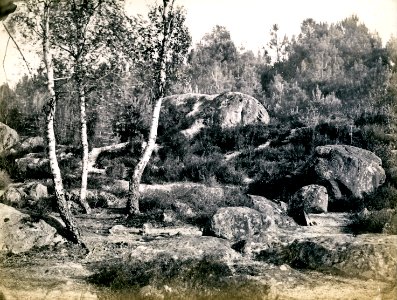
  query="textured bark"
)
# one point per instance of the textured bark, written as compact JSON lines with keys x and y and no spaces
{"x":161,"y":80}
{"x":64,"y":211}
{"x":133,"y":197}
{"x":84,"y":143}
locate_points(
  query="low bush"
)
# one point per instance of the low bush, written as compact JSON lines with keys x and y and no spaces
{"x":205,"y":278}
{"x":5,"y":179}
{"x":202,"y":201}
{"x":378,"y":221}
{"x":384,"y":197}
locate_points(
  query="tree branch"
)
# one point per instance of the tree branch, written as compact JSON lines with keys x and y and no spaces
{"x":4,"y":58}
{"x":93,"y":156}
{"x":19,"y":49}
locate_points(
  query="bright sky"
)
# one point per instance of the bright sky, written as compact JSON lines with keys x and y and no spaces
{"x":249,"y":21}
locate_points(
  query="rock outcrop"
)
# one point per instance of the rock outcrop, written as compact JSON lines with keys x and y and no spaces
{"x":185,"y":248}
{"x":32,"y":143}
{"x":19,"y":232}
{"x":234,"y":109}
{"x":95,"y":198}
{"x":8,"y":137}
{"x":309,"y":199}
{"x":277,"y":212}
{"x":34,"y":165}
{"x":22,"y":195}
{"x":345,"y":171}
{"x":238,"y":223}
{"x":352,"y":256}
{"x":226,"y":110}
{"x":14,"y":196}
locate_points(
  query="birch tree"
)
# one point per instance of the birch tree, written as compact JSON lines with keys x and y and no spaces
{"x":165,"y":44}
{"x":87,"y":32}
{"x":37,"y":19}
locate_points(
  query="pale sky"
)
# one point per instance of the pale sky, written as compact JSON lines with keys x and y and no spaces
{"x":249,"y":21}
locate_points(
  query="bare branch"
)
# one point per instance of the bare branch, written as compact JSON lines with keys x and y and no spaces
{"x":4,"y":58}
{"x":19,"y":50}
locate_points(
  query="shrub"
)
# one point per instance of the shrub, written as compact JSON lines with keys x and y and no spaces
{"x":379,"y":221}
{"x":8,"y":164}
{"x":5,"y":179}
{"x":384,"y":197}
{"x":203,"y":201}
{"x":116,"y":171}
{"x":205,"y":278}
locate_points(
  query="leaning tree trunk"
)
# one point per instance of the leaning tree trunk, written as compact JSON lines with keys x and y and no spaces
{"x":161,"y":77}
{"x":84,"y":143}
{"x":133,"y":196}
{"x":64,"y":211}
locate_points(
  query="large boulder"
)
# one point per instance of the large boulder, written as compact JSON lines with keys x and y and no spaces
{"x":8,"y":137}
{"x":310,"y":199}
{"x":19,"y":232}
{"x":239,"y":109}
{"x":276,"y":212}
{"x":232,"y":109}
{"x":346,"y":171}
{"x":36,"y":191}
{"x":238,"y":223}
{"x":226,"y":110}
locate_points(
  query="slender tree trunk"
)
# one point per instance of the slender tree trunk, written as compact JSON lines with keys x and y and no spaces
{"x":161,"y":78}
{"x":64,"y":211}
{"x":133,"y":196}
{"x":84,"y":143}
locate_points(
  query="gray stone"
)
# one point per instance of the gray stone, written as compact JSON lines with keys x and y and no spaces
{"x":348,"y":171}
{"x":227,"y":109}
{"x":309,"y":199}
{"x":108,"y":198}
{"x":14,"y":196}
{"x":32,"y":142}
{"x":37,"y":191}
{"x":32,"y":164}
{"x":239,"y":109}
{"x":8,"y":137}
{"x":239,"y":223}
{"x":275,"y":211}
{"x":185,"y":248}
{"x":20,"y":233}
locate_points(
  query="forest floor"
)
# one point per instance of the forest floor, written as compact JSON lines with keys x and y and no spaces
{"x":64,"y":271}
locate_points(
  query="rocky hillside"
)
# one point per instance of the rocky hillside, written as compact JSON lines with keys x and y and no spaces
{"x":245,"y":204}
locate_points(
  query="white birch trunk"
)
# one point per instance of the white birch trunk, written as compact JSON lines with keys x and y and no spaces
{"x":133,"y":197}
{"x":66,"y":216}
{"x":161,"y":80}
{"x":84,"y":143}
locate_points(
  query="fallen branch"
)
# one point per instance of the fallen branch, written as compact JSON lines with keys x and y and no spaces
{"x":95,"y":152}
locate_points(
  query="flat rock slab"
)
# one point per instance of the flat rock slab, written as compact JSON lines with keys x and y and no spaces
{"x":365,"y":256}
